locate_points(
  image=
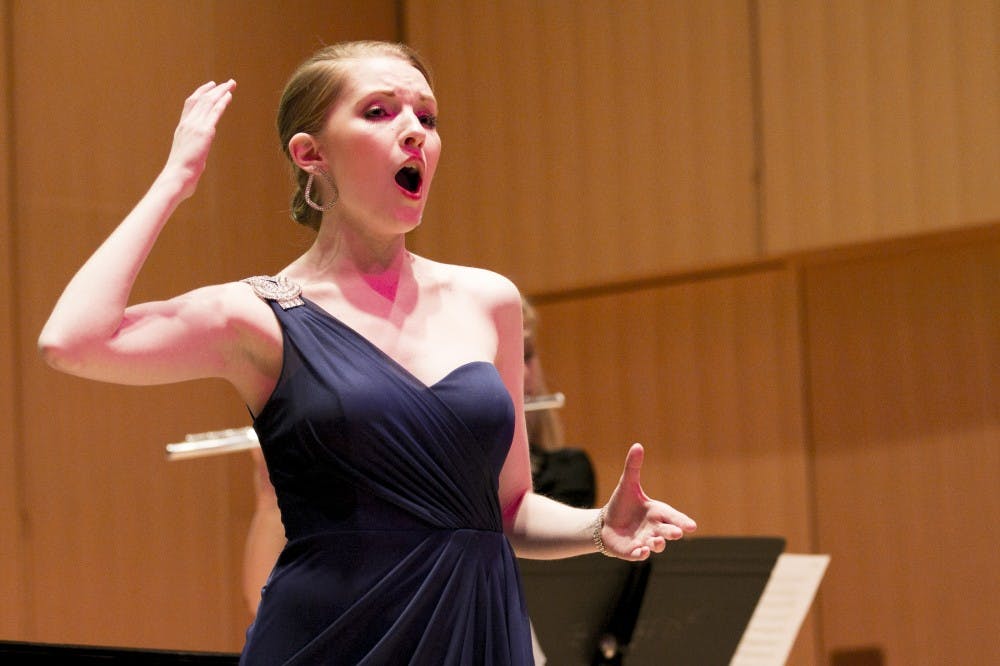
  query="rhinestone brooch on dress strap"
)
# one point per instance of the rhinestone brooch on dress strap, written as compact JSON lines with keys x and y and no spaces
{"x":287,"y":293}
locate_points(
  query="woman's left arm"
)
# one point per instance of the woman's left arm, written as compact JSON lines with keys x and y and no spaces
{"x":630,"y":526}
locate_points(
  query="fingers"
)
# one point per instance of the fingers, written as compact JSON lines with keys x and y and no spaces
{"x":661,"y":524}
{"x":653,"y":543}
{"x":633,"y":464}
{"x":221,"y":96}
{"x":215,"y":100}
{"x":671,"y":529}
{"x":664,"y":512}
{"x":210,"y":100}
{"x":650,"y":538}
{"x":649,"y":523}
{"x":210,"y":88}
{"x":200,"y":90}
{"x":639,"y":553}
{"x":196,"y":95}
{"x":682,"y":520}
{"x":676,"y":523}
{"x":195,"y":133}
{"x":633,"y":459}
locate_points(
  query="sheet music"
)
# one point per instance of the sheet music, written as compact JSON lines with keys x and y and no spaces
{"x":783,"y":605}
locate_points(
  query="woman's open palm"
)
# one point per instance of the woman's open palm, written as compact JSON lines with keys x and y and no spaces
{"x":634,"y":524}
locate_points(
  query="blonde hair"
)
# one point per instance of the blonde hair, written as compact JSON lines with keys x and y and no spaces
{"x":545,"y":429}
{"x":310,"y":92}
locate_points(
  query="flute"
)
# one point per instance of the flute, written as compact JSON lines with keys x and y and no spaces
{"x":217,"y":442}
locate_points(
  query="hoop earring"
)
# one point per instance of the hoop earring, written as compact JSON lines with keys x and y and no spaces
{"x":312,"y":204}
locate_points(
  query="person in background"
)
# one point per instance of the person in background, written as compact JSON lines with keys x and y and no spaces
{"x":562,"y":473}
{"x":265,"y":536}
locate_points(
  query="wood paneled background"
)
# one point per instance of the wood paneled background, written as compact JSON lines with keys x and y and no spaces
{"x":624,"y":137}
{"x":12,"y":579}
{"x":763,"y":237}
{"x":879,"y":119}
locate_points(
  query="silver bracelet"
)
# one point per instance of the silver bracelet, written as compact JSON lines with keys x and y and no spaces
{"x":596,"y":534}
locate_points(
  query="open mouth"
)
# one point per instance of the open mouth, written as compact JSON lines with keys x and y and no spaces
{"x":409,"y":178}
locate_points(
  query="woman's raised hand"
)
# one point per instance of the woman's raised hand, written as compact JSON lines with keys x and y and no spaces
{"x":195,"y":132}
{"x":634,"y":524}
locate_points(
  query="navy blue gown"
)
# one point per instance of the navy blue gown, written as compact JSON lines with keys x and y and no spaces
{"x":388,"y":494}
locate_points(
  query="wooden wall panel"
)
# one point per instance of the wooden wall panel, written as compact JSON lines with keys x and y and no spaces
{"x":879,"y":119}
{"x":589,"y":142}
{"x":904,"y":358}
{"x":705,"y":372}
{"x":11,"y":516}
{"x":122,"y":547}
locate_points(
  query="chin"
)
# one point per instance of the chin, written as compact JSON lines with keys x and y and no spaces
{"x":410,"y":218}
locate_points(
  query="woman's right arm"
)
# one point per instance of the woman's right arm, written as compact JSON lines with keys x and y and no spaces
{"x":91,"y":331}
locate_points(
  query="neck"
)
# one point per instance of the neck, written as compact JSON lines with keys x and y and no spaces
{"x":384,"y":279}
{"x":361,"y":267}
{"x":339,"y":249}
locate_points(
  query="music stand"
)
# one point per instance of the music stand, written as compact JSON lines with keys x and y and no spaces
{"x":698,"y":601}
{"x":570,"y":602}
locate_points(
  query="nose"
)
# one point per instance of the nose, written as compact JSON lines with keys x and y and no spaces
{"x":414,"y":134}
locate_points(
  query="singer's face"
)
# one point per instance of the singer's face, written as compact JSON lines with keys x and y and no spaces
{"x":381,"y":143}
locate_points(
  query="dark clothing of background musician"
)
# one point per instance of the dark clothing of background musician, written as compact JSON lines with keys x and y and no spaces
{"x":565,"y":475}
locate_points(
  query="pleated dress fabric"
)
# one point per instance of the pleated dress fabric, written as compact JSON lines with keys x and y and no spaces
{"x":388,"y":494}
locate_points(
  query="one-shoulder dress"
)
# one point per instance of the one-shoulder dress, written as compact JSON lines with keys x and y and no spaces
{"x":388,"y":493}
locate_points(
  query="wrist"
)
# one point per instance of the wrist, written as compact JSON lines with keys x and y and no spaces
{"x":597,"y":529}
{"x":176,"y":183}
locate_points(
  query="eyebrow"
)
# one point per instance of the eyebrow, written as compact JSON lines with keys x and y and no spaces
{"x":392,"y":93}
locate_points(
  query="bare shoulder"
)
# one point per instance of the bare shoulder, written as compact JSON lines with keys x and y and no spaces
{"x":248,"y":313}
{"x":228,"y":316}
{"x":491,"y":290}
{"x":252,"y":335}
{"x":226,"y":305}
